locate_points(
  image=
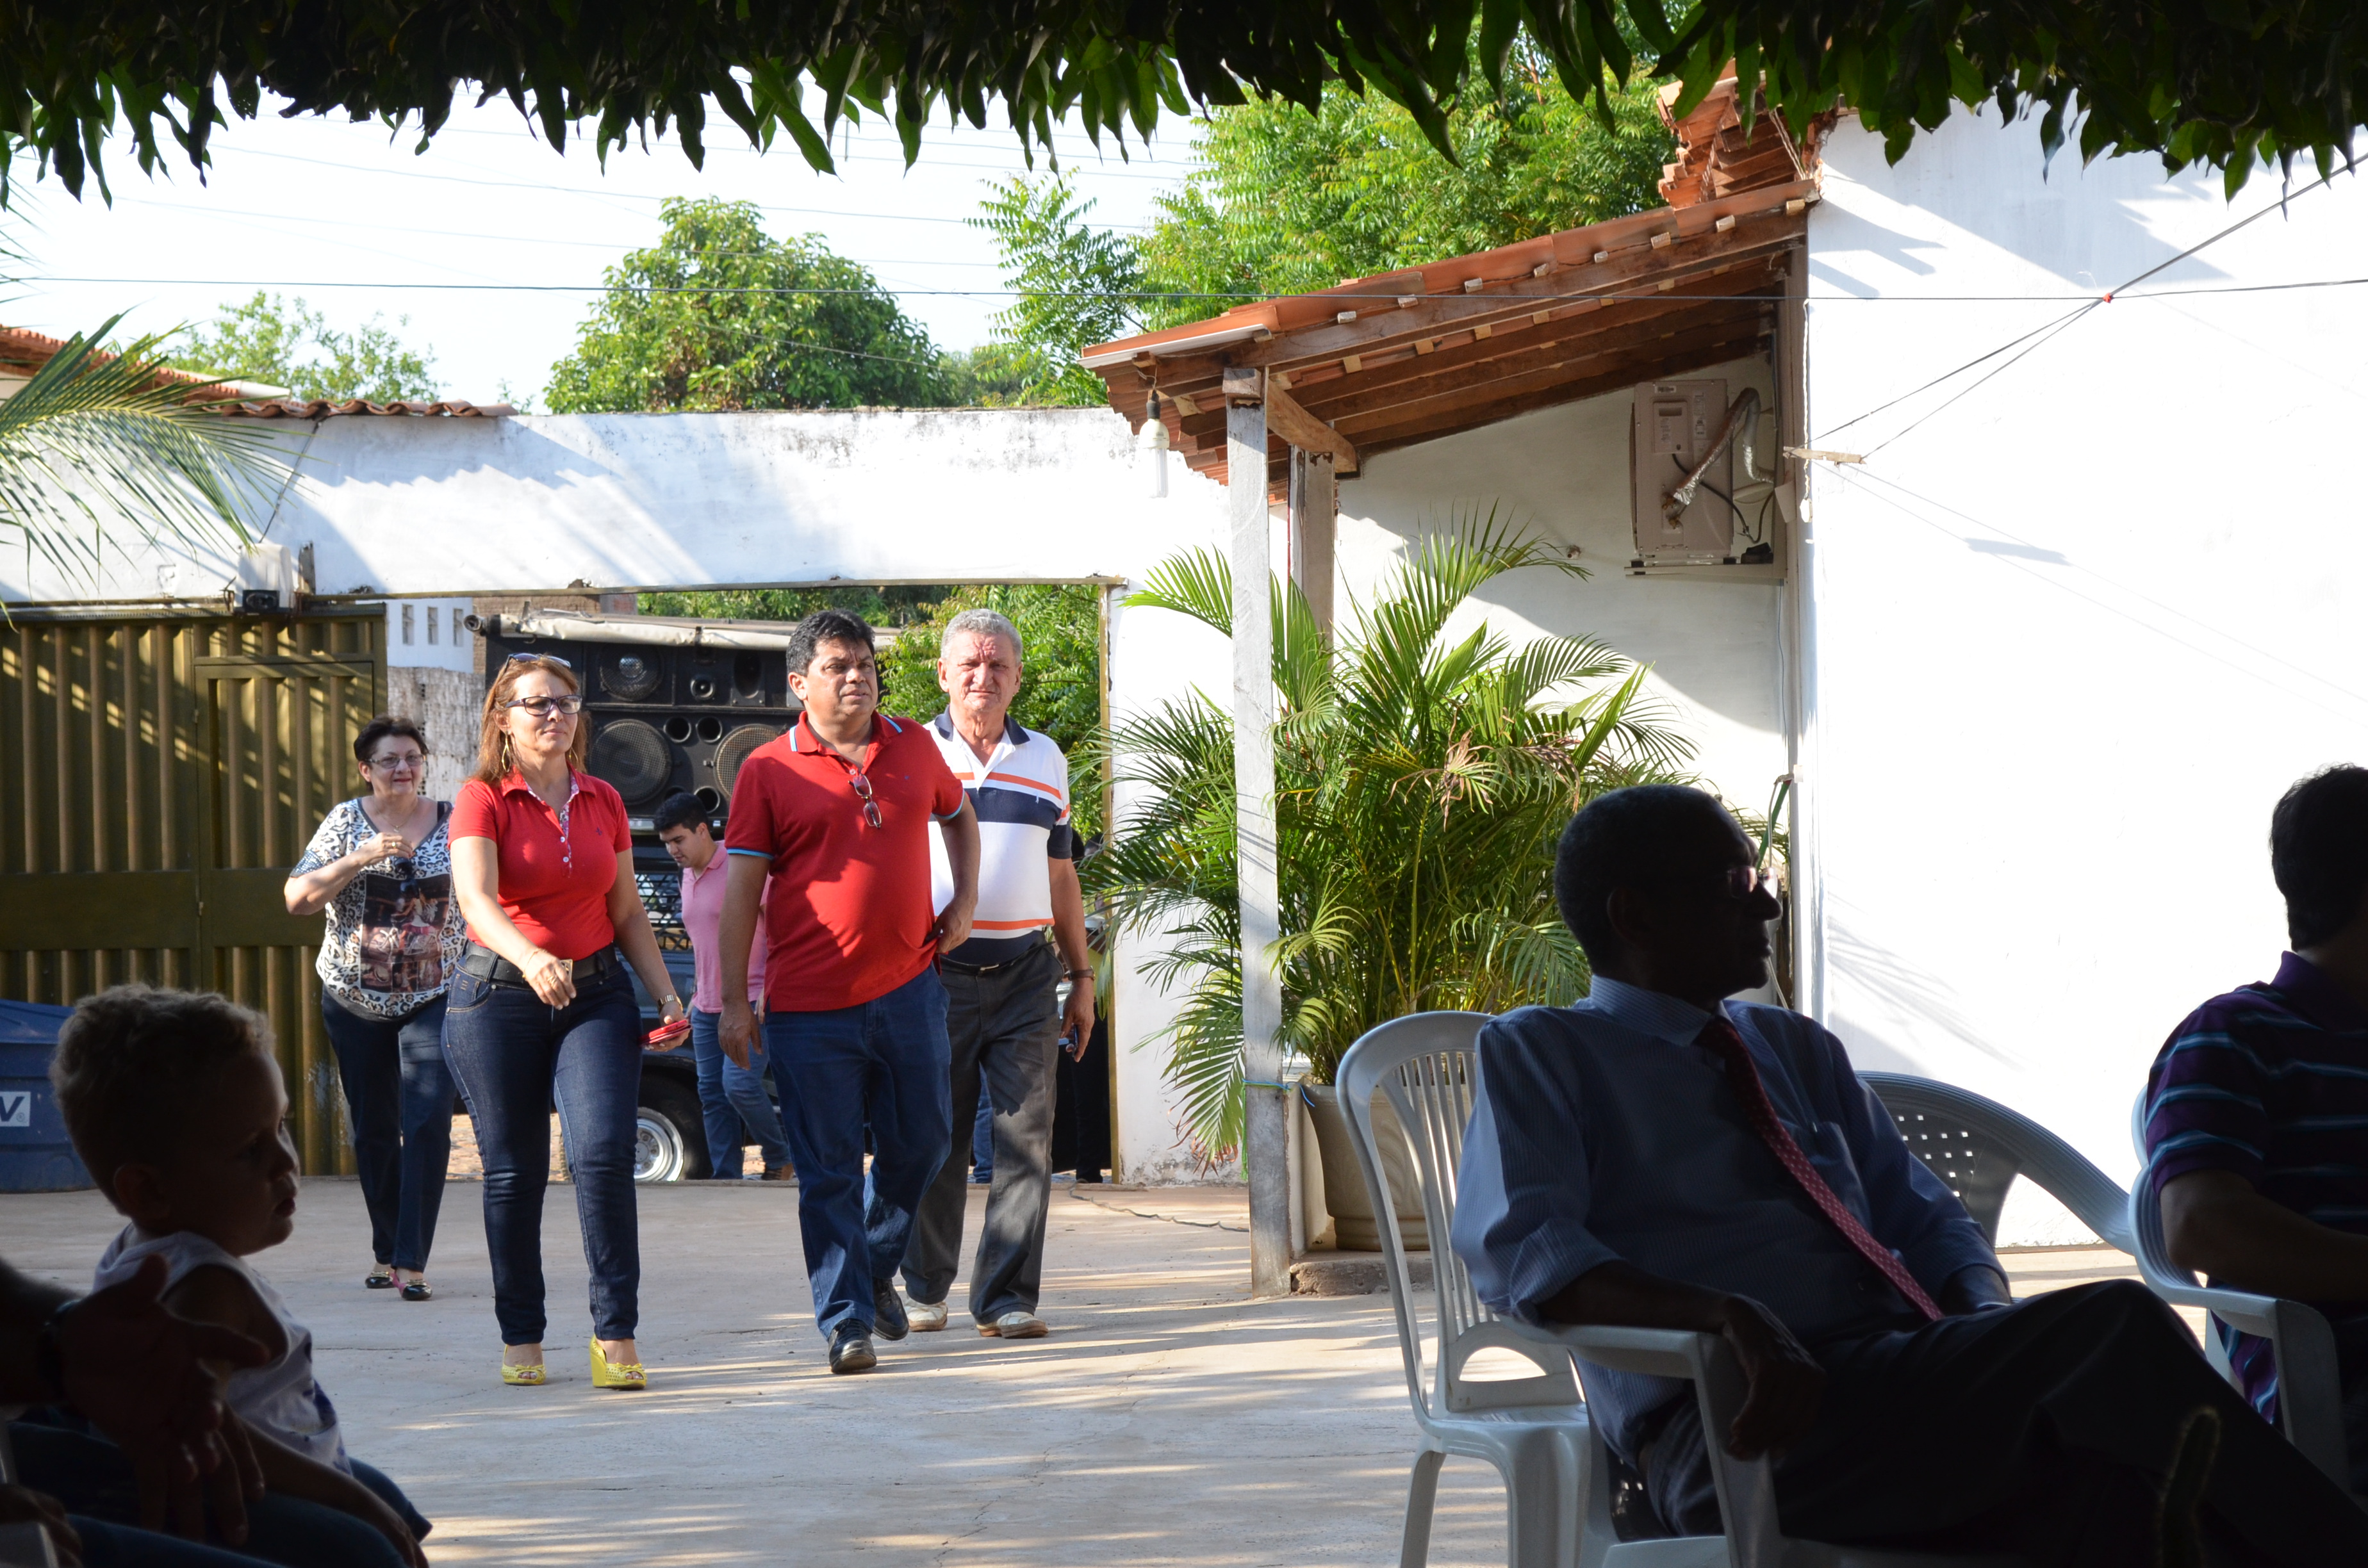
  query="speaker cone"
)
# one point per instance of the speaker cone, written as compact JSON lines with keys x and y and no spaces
{"x":734,"y":750}
{"x":630,"y":755}
{"x":630,"y":677}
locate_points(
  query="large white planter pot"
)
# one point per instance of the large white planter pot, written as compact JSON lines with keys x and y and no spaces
{"x":1355,"y":1227}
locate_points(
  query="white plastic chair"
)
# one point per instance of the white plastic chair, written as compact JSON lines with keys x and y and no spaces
{"x":1557,"y":1467}
{"x":1533,"y":1429}
{"x":2310,"y":1387}
{"x":1978,"y":1147}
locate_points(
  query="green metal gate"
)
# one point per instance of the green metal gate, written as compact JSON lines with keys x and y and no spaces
{"x":159,"y":774}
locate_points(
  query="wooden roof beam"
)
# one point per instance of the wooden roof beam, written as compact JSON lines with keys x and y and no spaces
{"x":1622,"y":373}
{"x":1680,"y":346}
{"x":1320,"y":390}
{"x":1749,"y":277}
{"x":1287,"y":419}
{"x":1632,"y":266}
{"x":1565,"y":354}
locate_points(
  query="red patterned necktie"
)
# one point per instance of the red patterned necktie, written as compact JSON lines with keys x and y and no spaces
{"x":1720,"y":1038}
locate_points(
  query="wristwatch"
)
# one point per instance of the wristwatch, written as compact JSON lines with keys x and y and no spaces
{"x":1076,"y":974}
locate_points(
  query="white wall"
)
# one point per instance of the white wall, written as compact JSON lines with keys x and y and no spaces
{"x":2074,"y":634}
{"x":1562,"y":473}
{"x":454,"y":507}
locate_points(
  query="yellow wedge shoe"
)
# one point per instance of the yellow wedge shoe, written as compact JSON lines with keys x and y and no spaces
{"x":522,"y":1377}
{"x":608,"y":1374}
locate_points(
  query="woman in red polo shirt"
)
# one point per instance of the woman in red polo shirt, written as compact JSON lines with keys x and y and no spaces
{"x":542,"y":1012}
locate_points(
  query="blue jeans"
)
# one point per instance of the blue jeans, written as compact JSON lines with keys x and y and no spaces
{"x":732,"y":1096}
{"x":886,"y":1060}
{"x":515,"y":1057}
{"x":400,"y":1099}
{"x":93,"y":1478}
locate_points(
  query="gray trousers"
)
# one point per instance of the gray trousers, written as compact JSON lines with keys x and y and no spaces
{"x":1004,"y":1027}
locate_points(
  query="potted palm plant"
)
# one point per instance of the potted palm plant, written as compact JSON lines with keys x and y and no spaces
{"x":1419,"y":784}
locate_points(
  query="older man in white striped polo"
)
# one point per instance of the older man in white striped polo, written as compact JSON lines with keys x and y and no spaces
{"x":1002,"y":1013}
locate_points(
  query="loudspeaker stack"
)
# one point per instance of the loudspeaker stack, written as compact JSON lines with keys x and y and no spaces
{"x":670,"y":718}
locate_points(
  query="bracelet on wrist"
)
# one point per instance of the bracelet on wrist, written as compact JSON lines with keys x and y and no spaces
{"x":1076,"y":974}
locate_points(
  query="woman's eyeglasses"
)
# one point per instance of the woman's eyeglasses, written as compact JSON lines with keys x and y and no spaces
{"x":410,"y":762}
{"x":538,"y":659}
{"x":543,"y":707}
{"x":862,"y":787}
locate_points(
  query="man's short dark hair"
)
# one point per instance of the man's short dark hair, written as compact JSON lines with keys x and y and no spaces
{"x":2319,"y":852}
{"x":1624,"y":839}
{"x":680,"y":809}
{"x":807,"y":636}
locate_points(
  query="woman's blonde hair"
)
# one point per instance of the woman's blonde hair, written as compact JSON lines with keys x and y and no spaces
{"x":493,"y":762}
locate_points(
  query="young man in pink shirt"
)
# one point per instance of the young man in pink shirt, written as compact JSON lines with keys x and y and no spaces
{"x":731,"y":1095}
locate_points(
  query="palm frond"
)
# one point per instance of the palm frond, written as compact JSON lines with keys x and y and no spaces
{"x":95,"y":441}
{"x":1198,"y":582}
{"x":1420,"y":787}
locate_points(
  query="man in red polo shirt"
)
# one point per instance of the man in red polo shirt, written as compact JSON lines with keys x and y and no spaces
{"x":838,"y":813}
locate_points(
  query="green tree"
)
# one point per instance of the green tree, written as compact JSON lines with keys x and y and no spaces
{"x":1287,"y":201}
{"x":285,"y":343}
{"x":992,"y":375}
{"x":1073,"y":285}
{"x":1061,"y":691}
{"x":1419,"y":785}
{"x":719,"y":315}
{"x":888,"y":605}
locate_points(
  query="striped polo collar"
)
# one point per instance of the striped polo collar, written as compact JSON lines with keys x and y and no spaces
{"x":2310,"y":993}
{"x":1014,"y":732}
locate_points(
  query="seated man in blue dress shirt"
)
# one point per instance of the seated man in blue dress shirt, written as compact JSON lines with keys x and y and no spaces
{"x":1660,"y":1157}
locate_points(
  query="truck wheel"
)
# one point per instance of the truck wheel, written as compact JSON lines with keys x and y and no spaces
{"x":669,"y":1134}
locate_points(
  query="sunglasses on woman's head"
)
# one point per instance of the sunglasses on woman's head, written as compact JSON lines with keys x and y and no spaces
{"x":542,"y":707}
{"x":538,"y":659}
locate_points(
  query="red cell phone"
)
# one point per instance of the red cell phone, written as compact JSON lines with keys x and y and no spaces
{"x":665,"y":1037}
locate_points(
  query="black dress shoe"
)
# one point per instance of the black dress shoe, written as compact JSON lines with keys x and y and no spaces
{"x":850,"y":1349}
{"x":888,"y":1320}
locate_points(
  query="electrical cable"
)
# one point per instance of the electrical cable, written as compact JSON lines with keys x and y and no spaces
{"x":599,"y":195}
{"x":2047,"y":332}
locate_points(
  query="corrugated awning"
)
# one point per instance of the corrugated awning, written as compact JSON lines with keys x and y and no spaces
{"x":1412,"y":355}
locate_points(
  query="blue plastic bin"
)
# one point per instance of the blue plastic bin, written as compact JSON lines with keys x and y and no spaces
{"x":35,"y":1153}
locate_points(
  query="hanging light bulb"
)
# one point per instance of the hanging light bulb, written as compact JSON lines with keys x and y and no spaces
{"x":1153,"y":444}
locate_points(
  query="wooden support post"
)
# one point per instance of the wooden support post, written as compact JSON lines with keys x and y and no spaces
{"x":1315,"y":512}
{"x":1266,"y":1152}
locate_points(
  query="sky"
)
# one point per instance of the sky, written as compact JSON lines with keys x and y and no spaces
{"x":493,"y":244}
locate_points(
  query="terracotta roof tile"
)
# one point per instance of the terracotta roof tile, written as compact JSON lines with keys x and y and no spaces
{"x":23,"y":352}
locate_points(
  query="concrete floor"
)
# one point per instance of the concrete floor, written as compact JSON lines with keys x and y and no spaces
{"x":1165,"y":1421}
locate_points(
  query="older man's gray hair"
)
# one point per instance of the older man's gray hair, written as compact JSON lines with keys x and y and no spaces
{"x":981,"y":623}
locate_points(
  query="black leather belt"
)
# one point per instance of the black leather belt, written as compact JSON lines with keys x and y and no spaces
{"x":487,"y":964}
{"x":993,"y":968}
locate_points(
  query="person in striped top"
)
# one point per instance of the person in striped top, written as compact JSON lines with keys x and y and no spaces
{"x":1003,"y":1015}
{"x":2257,"y":1108}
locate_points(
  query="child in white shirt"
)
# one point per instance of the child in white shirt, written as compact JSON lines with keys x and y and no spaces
{"x":175,"y":1103}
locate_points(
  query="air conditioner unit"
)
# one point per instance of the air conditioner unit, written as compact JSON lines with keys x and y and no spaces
{"x":1675,"y":423}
